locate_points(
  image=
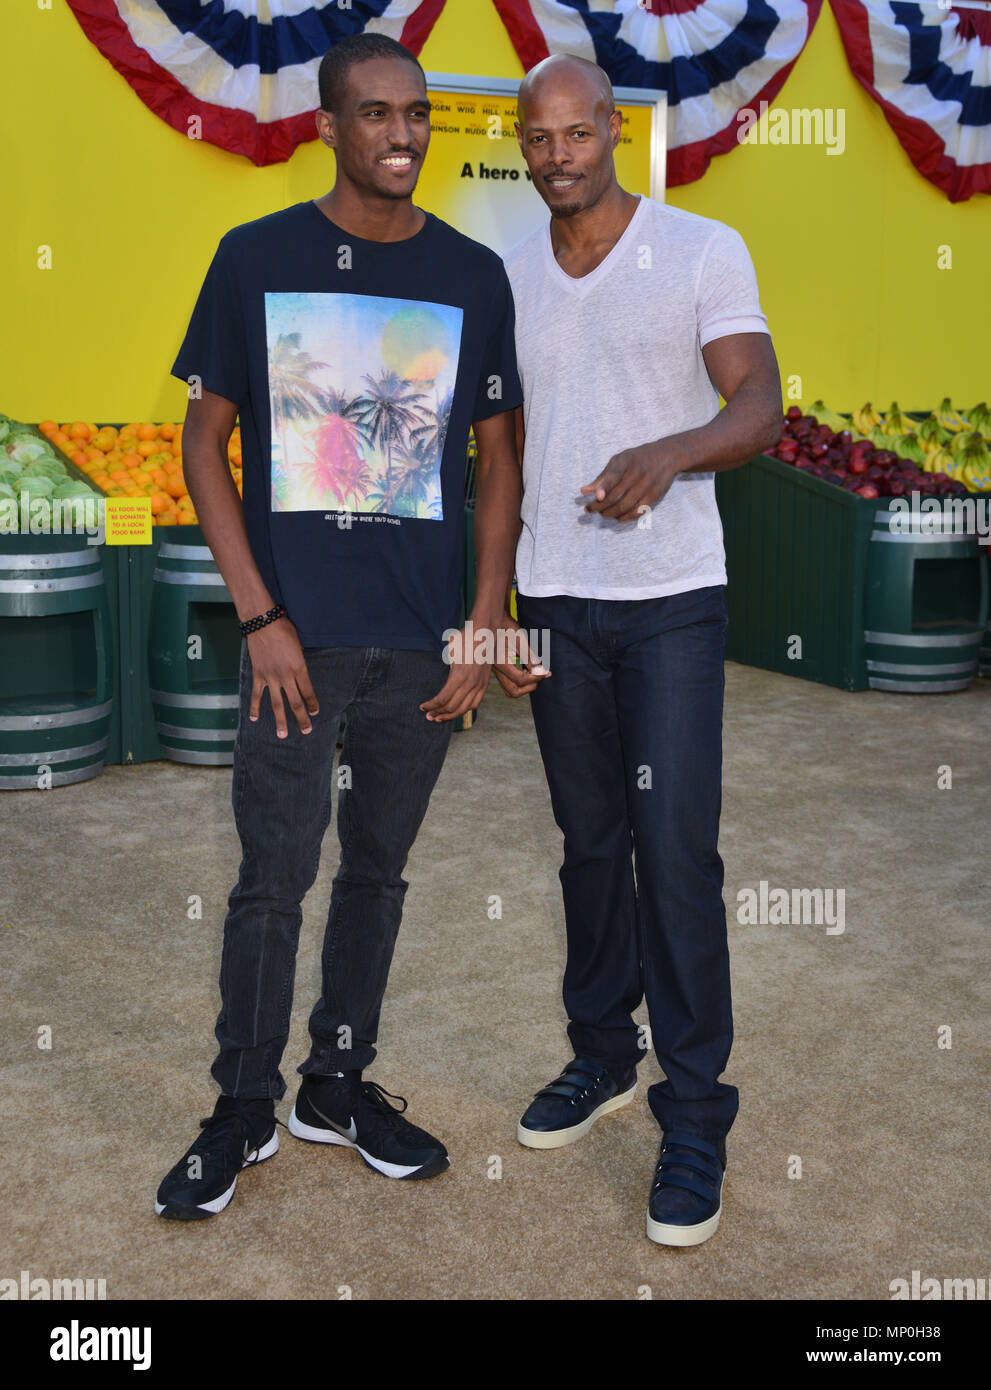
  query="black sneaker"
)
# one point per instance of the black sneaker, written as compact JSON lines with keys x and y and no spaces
{"x":686,"y":1199}
{"x":568,"y":1108}
{"x":237,"y":1135}
{"x":346,"y":1110}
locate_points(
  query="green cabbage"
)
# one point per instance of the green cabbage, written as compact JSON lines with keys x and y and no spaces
{"x":73,"y":487}
{"x":45,"y":468}
{"x":38,"y":486}
{"x":25,"y":447}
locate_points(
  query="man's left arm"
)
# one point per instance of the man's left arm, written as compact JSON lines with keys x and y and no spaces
{"x":744,"y":370}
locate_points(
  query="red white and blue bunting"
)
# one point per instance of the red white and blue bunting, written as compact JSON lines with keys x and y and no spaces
{"x":929,"y":68}
{"x":243,"y":73}
{"x":243,"y":82}
{"x":713,"y":58}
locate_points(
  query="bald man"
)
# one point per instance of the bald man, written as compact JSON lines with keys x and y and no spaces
{"x":632,"y":318}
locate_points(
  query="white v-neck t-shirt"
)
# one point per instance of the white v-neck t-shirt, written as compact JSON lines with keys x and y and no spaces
{"x":613,"y":360}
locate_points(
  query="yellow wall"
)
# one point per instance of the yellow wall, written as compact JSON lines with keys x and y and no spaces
{"x":845,"y":246}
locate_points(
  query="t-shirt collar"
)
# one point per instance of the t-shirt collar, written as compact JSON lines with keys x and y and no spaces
{"x":585,"y":283}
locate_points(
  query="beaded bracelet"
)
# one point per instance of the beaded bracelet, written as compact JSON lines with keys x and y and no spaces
{"x":263,"y":619}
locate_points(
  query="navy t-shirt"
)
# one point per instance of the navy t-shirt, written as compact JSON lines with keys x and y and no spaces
{"x":357,"y":368}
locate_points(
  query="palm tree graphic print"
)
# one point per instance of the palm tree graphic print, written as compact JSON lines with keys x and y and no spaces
{"x":360,"y":390}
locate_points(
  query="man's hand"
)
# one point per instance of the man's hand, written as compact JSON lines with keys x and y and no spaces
{"x":635,"y":480}
{"x":517,"y":679}
{"x":465,"y":686}
{"x":278,"y":664}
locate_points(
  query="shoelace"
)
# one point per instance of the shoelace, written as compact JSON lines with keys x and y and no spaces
{"x":217,"y":1129}
{"x":376,"y":1097}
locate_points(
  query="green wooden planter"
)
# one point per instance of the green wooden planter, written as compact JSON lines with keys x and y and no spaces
{"x":819,"y":587}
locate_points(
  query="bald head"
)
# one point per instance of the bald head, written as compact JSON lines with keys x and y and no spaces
{"x":563,"y":74}
{"x":568,"y":128}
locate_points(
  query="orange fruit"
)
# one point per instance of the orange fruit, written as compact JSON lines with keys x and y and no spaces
{"x":167,"y":431}
{"x":61,"y":440}
{"x":175,"y":487}
{"x":159,"y":477}
{"x":167,"y":518}
{"x":92,"y":453}
{"x":114,"y":490}
{"x":160,"y":503}
{"x":79,"y":431}
{"x":138,"y":475}
{"x":147,"y":431}
{"x":48,"y":428}
{"x":145,"y":448}
{"x":121,"y":475}
{"x":132,"y":460}
{"x":78,"y":457}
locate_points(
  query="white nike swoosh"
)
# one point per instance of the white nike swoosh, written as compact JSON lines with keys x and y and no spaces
{"x":350,"y":1133}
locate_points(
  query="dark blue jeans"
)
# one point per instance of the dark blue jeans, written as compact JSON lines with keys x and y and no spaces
{"x":282,"y":789}
{"x":630,"y":731}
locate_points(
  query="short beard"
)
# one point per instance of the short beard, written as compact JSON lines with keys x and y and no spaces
{"x":568,"y":211}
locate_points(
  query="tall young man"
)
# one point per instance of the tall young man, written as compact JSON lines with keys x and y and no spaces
{"x":632,"y":318}
{"x":357,"y":337}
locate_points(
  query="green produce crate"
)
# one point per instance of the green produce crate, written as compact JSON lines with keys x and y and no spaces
{"x":811,"y":595}
{"x":796,"y":561}
{"x":59,"y":681}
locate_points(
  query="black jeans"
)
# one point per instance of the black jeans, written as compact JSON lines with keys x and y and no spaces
{"x":282,"y":789}
{"x":630,"y":731}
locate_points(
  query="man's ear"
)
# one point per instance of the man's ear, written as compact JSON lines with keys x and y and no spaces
{"x":616,"y":126}
{"x":326,"y":128}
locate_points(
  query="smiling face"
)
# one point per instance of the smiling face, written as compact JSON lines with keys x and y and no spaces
{"x":567,"y":131}
{"x":381,"y":132}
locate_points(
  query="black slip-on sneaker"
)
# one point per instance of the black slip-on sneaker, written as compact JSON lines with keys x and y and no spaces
{"x":686,"y":1198}
{"x":356,"y":1114}
{"x":568,"y":1108}
{"x":239,"y":1134}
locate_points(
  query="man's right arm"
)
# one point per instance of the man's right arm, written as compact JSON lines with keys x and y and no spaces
{"x":277,"y":660}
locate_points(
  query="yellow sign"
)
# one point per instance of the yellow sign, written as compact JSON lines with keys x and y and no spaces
{"x":476,"y":178}
{"x":128,"y":520}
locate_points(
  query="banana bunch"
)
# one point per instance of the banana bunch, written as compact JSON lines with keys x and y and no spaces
{"x":931,"y":432}
{"x":911,"y":448}
{"x":866,"y":419}
{"x":979,"y":418}
{"x":977,"y":477}
{"x":882,"y":440}
{"x":897,"y":423}
{"x":939,"y":460}
{"x":825,"y":416}
{"x":972,"y":462}
{"x":966,"y":440}
{"x":951,"y":419}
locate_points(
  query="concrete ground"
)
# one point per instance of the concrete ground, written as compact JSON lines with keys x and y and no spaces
{"x":862,"y":1056}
